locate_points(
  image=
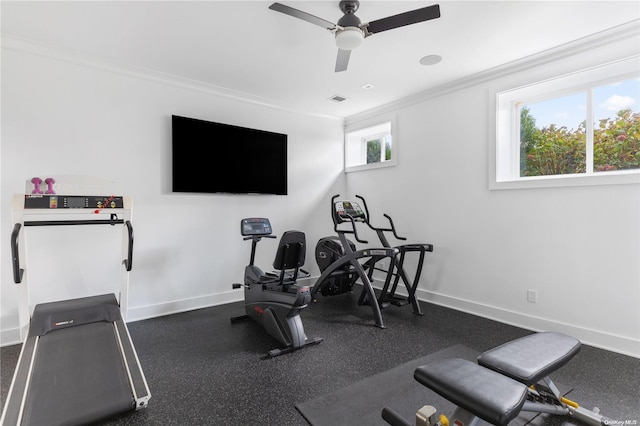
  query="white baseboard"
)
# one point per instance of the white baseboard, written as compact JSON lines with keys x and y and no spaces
{"x":610,"y":342}
{"x":620,"y":344}
{"x":11,"y":336}
{"x":184,"y":305}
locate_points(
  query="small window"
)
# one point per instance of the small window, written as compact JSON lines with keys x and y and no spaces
{"x":368,"y":147}
{"x":583,"y":125}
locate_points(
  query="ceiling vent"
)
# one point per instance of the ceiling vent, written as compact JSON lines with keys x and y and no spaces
{"x":337,"y":98}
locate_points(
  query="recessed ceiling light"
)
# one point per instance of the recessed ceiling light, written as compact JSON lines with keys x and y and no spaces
{"x":430,"y":59}
{"x":367,"y":86}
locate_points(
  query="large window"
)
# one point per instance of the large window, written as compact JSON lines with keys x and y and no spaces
{"x":583,"y":125}
{"x":369,"y":146}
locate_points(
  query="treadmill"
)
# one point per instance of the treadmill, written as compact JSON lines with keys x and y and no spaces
{"x":78,"y":364}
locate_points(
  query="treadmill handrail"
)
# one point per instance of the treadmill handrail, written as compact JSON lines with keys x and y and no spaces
{"x":128,"y":262}
{"x":15,"y":254}
{"x":113,"y":220}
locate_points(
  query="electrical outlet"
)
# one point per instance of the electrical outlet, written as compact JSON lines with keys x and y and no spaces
{"x":532,"y":296}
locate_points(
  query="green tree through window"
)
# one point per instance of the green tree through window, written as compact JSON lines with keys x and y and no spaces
{"x":557,"y":150}
{"x":551,"y":150}
{"x":373,"y":151}
{"x":616,"y":144}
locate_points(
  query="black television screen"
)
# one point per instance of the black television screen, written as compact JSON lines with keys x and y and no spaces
{"x":213,"y":157}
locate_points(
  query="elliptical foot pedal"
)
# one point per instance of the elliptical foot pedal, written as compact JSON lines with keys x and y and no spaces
{"x":239,"y":318}
{"x":398,"y":302}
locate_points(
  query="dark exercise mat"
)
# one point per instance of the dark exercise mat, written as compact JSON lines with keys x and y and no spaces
{"x":361,"y":403}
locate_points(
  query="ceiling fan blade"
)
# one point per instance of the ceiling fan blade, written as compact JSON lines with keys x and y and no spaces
{"x":343,"y":60}
{"x":279,"y":7}
{"x":402,"y":19}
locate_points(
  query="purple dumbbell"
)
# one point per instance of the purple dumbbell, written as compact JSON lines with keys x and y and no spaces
{"x":49,"y":182}
{"x":36,"y":181}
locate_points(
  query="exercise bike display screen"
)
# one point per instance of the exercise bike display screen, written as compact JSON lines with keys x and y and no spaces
{"x":255,"y":226}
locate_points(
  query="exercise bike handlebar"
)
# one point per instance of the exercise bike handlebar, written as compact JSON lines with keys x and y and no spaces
{"x":259,"y":237}
{"x":392,"y":229}
{"x":254,"y":242}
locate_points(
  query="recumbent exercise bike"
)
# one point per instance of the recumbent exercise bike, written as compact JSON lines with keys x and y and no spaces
{"x":274,"y":300}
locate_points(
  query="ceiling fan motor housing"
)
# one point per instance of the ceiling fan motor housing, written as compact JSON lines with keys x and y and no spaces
{"x":350,"y":35}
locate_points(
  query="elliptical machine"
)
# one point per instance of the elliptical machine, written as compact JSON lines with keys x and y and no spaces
{"x":340,"y":265}
{"x":274,"y":300}
{"x":345,"y":268}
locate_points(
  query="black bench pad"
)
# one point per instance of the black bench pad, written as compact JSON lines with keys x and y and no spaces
{"x":492,"y":397}
{"x":532,"y":357}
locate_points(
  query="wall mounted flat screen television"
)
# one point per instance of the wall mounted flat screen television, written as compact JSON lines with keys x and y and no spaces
{"x":209,"y":157}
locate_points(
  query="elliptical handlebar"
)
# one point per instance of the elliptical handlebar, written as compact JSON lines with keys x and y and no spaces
{"x":355,"y":230}
{"x":392,"y":229}
{"x":343,"y":215}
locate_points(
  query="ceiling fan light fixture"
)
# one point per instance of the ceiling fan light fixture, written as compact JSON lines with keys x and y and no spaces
{"x":349,"y":38}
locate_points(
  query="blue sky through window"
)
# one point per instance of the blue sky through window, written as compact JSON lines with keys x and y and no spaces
{"x":570,"y":110}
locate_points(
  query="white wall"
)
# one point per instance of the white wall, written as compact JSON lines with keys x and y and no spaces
{"x":64,"y":115}
{"x":578,"y":247}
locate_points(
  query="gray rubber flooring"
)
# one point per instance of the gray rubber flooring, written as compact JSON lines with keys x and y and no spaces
{"x":204,"y":370}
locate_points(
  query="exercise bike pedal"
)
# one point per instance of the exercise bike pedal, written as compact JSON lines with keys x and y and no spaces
{"x":277,"y":352}
{"x":314,"y":341}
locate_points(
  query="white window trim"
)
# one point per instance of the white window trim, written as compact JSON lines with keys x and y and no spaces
{"x":504,"y":170}
{"x":363,"y":126}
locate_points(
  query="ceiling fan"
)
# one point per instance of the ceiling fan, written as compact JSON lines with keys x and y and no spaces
{"x":350,"y":31}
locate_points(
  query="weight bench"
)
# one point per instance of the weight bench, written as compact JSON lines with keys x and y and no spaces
{"x":507,"y":380}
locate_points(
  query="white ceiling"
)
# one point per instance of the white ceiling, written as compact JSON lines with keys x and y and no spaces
{"x":243,"y":47}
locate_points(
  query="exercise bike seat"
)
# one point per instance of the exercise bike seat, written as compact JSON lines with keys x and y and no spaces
{"x":531,"y":358}
{"x":492,"y":397}
{"x":291,"y":251}
{"x":290,"y":256}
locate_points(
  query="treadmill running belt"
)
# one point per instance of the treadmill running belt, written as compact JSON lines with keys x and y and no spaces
{"x":75,"y":378}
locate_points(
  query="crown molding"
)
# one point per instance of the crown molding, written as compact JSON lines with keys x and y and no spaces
{"x":603,"y":38}
{"x":56,"y":53}
{"x":630,"y":30}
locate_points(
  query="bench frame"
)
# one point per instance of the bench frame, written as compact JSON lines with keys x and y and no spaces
{"x":526,"y":362}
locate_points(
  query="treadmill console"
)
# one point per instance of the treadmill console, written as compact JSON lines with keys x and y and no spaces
{"x":37,"y":201}
{"x":344,"y":210}
{"x":255,"y":226}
